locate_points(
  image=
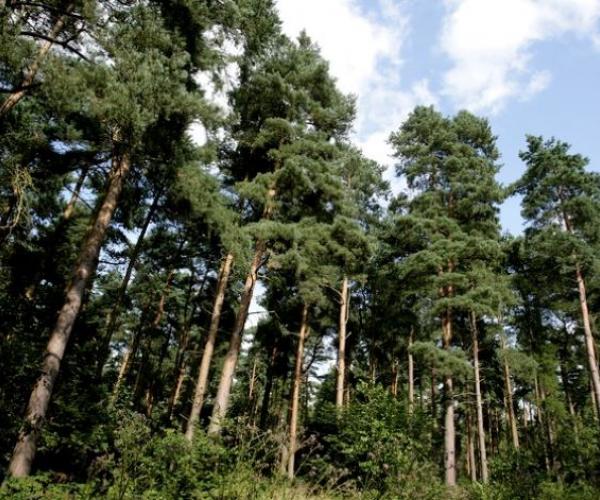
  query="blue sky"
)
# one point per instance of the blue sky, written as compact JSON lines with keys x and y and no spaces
{"x":529,"y":66}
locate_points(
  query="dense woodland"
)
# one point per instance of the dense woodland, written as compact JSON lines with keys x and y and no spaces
{"x":166,"y":164}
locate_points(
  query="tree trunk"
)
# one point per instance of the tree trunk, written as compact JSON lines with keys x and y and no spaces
{"x":394,"y":382}
{"x":411,"y":373}
{"x":264,"y":408}
{"x":70,"y":208}
{"x":341,"y":361}
{"x":449,"y":430}
{"x":130,"y":354}
{"x":235,"y":343}
{"x":142,"y":376}
{"x":209,"y":347}
{"x":113,"y":315}
{"x":14,"y":97}
{"x":585,"y":316}
{"x":296,"y":393}
{"x":24,"y":452}
{"x":471,"y":465}
{"x":479,"y":402}
{"x":512,"y":420}
{"x":589,"y":338}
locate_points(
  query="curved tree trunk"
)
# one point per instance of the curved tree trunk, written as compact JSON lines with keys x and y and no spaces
{"x":209,"y":347}
{"x":341,"y":361}
{"x":24,"y":452}
{"x":235,"y":343}
{"x":296,"y":393}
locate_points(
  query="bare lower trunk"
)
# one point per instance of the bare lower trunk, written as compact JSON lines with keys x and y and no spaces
{"x":252,"y":380}
{"x":176,"y":394}
{"x":512,"y":420}
{"x":209,"y":347}
{"x":394,"y":382}
{"x":264,"y":408}
{"x":296,"y":393}
{"x":30,"y":73}
{"x":449,"y":430}
{"x":411,"y":373}
{"x":449,"y":434}
{"x":479,"y":402}
{"x":24,"y":452}
{"x":589,"y":338}
{"x":341,"y":361}
{"x":128,"y":358}
{"x":235,"y":342}
{"x":471,"y":465}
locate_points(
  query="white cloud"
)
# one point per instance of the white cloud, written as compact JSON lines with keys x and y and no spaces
{"x":364,"y":49}
{"x":353,"y":43}
{"x":490,"y":45}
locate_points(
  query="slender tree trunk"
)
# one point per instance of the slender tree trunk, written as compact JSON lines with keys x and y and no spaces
{"x":264,"y":408}
{"x":235,"y":343}
{"x":252,"y":380}
{"x":209,"y":347}
{"x":24,"y":452}
{"x":471,"y":464}
{"x":512,"y":420}
{"x":479,"y":402}
{"x":341,"y":361}
{"x":394,"y":383}
{"x":585,"y":317}
{"x":113,"y":315}
{"x":589,"y":338}
{"x":296,"y":393}
{"x":143,"y":372}
{"x":411,"y":373}
{"x":449,"y":429}
{"x":433,"y":399}
{"x":130,"y":354}
{"x":30,"y":73}
{"x":594,"y":402}
{"x":70,"y":208}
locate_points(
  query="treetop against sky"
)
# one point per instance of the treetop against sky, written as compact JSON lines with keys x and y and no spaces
{"x":531,"y":66}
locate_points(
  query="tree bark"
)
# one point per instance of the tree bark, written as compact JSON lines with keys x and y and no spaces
{"x":585,"y":316}
{"x":341,"y":361}
{"x":209,"y":347}
{"x":471,"y":465}
{"x":479,"y":402}
{"x":30,"y":73}
{"x":235,"y":343}
{"x":449,"y":429}
{"x":411,"y":373}
{"x":512,"y":420}
{"x":296,"y":393}
{"x":264,"y":408}
{"x":24,"y":452}
{"x":589,"y":338}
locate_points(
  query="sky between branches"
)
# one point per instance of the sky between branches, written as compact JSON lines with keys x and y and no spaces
{"x":530,"y":66}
